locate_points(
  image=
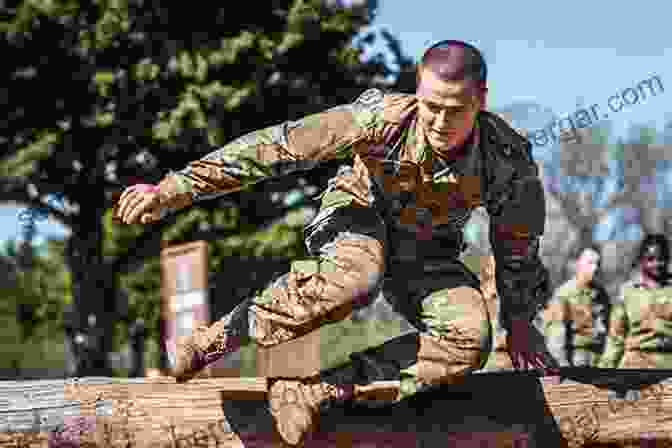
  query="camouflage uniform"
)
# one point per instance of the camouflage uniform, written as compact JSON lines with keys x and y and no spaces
{"x":640,"y":333}
{"x":387,"y":237}
{"x":499,"y":358}
{"x":576,"y":324}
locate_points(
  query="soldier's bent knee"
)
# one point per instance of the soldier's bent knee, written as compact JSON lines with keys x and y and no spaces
{"x":351,"y":238}
{"x":347,"y":245}
{"x":458,"y":320}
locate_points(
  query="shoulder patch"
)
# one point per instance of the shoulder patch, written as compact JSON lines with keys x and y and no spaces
{"x":521,"y":132}
{"x":370,"y":97}
{"x":368,"y":106}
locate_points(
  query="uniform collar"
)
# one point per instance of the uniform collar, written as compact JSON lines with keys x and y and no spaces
{"x":467,"y":154}
{"x":638,"y":281}
{"x":575,"y":284}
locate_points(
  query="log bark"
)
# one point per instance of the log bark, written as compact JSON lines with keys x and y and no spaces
{"x":583,"y":408}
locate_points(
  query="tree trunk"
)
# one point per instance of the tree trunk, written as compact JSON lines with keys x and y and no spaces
{"x":653,"y":218}
{"x":94,"y":289}
{"x":136,"y":339}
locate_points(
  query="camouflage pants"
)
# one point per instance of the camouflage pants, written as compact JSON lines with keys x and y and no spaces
{"x":585,"y":357}
{"x":378,"y":321}
{"x":498,"y":360}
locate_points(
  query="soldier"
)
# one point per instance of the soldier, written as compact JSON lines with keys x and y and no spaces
{"x":387,"y":236}
{"x":576,"y":320}
{"x":640,"y":334}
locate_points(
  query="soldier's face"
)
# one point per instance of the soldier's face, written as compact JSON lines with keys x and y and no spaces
{"x":588,"y":264}
{"x":447,"y":110}
{"x":653,"y":262}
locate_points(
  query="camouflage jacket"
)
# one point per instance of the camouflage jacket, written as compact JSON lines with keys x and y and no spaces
{"x":576,"y":320}
{"x":641,"y":319}
{"x":496,"y":171}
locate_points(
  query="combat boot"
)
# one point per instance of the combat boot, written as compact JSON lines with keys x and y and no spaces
{"x":196,"y":351}
{"x":295,"y":406}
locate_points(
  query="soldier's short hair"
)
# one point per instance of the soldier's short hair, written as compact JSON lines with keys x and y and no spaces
{"x":656,"y":240}
{"x":456,"y":59}
{"x":580,"y":251}
{"x":591,"y":247}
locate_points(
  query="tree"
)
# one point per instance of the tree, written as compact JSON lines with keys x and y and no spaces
{"x":598,"y":191}
{"x":31,"y":310}
{"x":97,"y":96}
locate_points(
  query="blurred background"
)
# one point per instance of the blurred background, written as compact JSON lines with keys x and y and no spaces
{"x":102,"y":94}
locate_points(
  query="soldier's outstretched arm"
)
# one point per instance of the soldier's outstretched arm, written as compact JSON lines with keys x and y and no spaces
{"x":336,"y":133}
{"x":274,"y":151}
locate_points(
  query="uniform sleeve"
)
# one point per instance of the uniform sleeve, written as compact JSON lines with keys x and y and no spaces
{"x":274,"y":151}
{"x":516,"y":227}
{"x":615,"y":346}
{"x":556,"y":318}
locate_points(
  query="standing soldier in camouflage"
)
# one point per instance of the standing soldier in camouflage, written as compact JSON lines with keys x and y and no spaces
{"x":387,"y":236}
{"x":577,"y":318}
{"x":640,"y":328}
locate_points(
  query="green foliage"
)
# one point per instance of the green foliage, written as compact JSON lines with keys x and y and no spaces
{"x":117,"y":237}
{"x":643,"y":135}
{"x":90,"y":85}
{"x":106,"y":74}
{"x":144,"y":297}
{"x":144,"y":285}
{"x":24,"y":163}
{"x":31,"y":311}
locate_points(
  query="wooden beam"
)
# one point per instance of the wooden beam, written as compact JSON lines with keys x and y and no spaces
{"x":585,"y":407}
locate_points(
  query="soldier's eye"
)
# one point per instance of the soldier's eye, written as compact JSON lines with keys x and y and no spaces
{"x":434,"y":108}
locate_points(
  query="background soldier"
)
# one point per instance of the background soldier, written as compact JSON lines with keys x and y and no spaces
{"x":577,"y":318}
{"x":387,"y":236}
{"x":640,"y":330}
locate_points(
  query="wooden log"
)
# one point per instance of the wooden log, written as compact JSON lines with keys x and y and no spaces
{"x":583,"y":408}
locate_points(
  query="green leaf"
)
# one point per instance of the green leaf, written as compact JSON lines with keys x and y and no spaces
{"x":160,"y":86}
{"x":104,"y":119}
{"x":23,"y":162}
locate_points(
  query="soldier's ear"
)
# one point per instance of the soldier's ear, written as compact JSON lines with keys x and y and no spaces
{"x":484,"y":97}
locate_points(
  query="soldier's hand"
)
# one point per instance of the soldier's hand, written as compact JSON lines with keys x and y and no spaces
{"x":138,"y":204}
{"x":527,"y":348}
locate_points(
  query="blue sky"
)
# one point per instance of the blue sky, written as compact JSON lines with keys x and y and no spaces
{"x":550,"y":53}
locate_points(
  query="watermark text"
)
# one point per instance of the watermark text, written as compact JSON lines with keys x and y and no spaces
{"x":565,"y":129}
